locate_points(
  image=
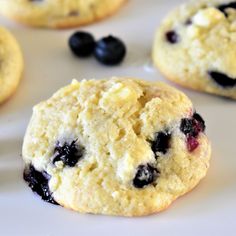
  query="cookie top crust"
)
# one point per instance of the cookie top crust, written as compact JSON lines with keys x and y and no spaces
{"x":117,"y":146}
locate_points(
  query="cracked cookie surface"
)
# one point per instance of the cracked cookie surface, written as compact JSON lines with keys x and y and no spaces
{"x":117,"y":146}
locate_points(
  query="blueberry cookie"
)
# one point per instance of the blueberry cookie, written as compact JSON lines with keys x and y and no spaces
{"x":11,"y":64}
{"x":118,"y":147}
{"x":58,"y":13}
{"x":195,"y":46}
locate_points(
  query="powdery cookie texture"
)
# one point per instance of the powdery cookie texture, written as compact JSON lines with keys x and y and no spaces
{"x":118,"y":147}
{"x":59,"y":13}
{"x":11,"y":64}
{"x":195,"y":46}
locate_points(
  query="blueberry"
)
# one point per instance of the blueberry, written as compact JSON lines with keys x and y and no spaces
{"x":68,"y":153}
{"x":223,"y":7}
{"x":187,"y":127}
{"x":82,"y":44}
{"x":38,"y":182}
{"x":188,"y":22}
{"x":161,"y":144}
{"x":110,"y":50}
{"x":222,"y":79}
{"x":145,"y":175}
{"x":191,"y":127}
{"x":199,"y":123}
{"x":172,"y":37}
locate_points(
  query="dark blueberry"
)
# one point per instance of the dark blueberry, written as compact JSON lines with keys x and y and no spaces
{"x":38,"y":182}
{"x":172,"y":37}
{"x":222,"y":79}
{"x":188,"y":22}
{"x":192,"y":143}
{"x":146,"y":174}
{"x":110,"y":50}
{"x":187,"y":127}
{"x":69,"y":154}
{"x":223,"y":7}
{"x":161,"y":144}
{"x":199,"y":122}
{"x":82,"y":44}
{"x":191,"y":127}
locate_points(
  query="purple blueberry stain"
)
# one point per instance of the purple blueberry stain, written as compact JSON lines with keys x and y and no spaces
{"x":192,"y":143}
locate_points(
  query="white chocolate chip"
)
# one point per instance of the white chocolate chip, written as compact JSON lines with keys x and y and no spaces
{"x":207,"y":17}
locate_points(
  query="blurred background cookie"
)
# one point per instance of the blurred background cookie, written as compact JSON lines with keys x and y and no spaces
{"x":59,"y":13}
{"x":11,"y":64}
{"x":195,"y":46}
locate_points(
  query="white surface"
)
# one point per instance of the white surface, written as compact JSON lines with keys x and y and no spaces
{"x":209,"y":209}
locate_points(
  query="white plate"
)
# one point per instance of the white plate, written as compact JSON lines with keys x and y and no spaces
{"x":209,"y":209}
